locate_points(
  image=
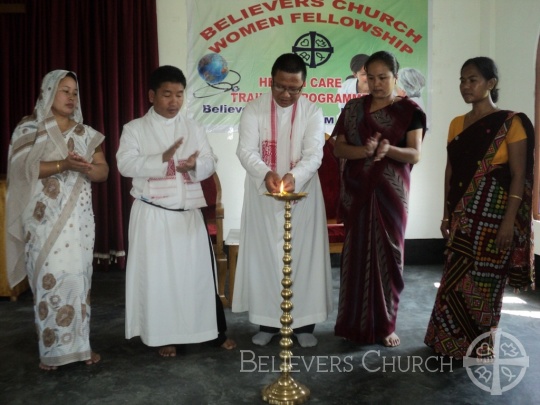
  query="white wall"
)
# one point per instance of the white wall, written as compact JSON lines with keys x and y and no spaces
{"x":517,"y":41}
{"x":506,"y":31}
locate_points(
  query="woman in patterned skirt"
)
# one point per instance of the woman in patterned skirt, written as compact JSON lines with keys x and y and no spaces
{"x":487,"y":216}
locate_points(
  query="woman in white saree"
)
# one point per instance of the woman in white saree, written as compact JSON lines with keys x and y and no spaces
{"x":53,"y":158}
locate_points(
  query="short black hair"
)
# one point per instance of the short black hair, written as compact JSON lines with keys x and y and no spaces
{"x":290,"y":63}
{"x":358,"y":61}
{"x":488,"y":69}
{"x":385,"y":57}
{"x":164,"y":74}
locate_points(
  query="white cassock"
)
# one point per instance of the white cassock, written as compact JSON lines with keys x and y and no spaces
{"x":170,"y":287}
{"x":257,"y":287}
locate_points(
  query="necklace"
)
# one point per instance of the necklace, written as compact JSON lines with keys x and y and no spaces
{"x":376,"y":108}
{"x":477,"y":116}
{"x":470,"y":119}
{"x":65,"y":125}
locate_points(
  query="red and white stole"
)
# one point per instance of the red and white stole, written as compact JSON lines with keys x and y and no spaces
{"x":269,"y":146}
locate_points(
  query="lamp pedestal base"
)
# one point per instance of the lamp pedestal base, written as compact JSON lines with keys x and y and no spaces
{"x":285,"y":391}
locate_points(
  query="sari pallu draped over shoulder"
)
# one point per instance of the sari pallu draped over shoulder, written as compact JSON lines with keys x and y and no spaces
{"x":373,"y":205}
{"x":469,"y":299}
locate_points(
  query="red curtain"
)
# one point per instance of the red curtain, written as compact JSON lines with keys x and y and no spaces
{"x":112,"y":46}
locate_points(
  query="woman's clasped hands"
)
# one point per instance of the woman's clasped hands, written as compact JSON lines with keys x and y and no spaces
{"x":376,"y":147}
{"x":76,"y":163}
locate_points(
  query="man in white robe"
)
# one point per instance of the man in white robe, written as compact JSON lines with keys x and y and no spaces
{"x":170,"y":282}
{"x":281,"y":140}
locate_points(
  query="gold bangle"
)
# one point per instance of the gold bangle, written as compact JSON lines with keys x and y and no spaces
{"x":58,"y":166}
{"x":515,"y":196}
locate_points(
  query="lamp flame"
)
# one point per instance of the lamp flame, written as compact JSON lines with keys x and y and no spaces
{"x":281,"y":189}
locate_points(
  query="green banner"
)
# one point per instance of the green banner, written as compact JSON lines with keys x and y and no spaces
{"x":233,"y":44}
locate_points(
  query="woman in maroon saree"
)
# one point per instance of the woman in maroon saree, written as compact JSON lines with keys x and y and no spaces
{"x":487,"y":216}
{"x":380,"y":135}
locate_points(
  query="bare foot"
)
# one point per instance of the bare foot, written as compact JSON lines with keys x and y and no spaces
{"x":94,"y":358}
{"x":229,"y":344}
{"x":167,"y":351}
{"x":46,"y":367}
{"x":391,"y":340}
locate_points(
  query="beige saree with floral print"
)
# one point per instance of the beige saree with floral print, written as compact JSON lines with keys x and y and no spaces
{"x":50,"y":228}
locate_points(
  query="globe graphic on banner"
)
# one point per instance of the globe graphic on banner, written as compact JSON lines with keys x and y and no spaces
{"x":213,"y":68}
